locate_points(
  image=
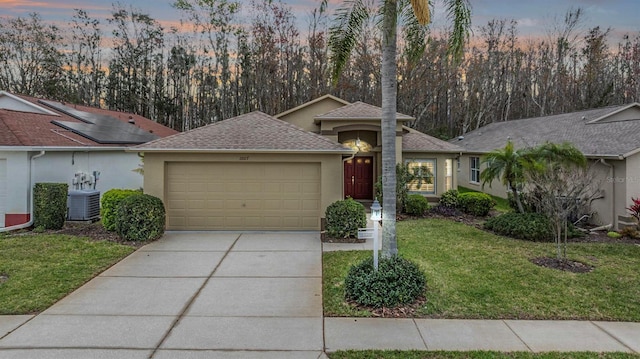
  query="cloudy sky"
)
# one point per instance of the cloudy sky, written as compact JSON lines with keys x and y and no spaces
{"x":534,"y":16}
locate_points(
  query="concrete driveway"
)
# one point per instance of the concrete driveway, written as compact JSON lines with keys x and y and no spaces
{"x":190,"y":295}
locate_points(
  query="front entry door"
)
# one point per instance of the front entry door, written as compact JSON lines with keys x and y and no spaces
{"x":358,"y":178}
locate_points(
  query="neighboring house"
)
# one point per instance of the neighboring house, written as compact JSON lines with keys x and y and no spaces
{"x":47,"y":141}
{"x":609,"y":137}
{"x":263,"y":172}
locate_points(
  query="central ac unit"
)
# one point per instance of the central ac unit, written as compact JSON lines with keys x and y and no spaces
{"x":83,"y":205}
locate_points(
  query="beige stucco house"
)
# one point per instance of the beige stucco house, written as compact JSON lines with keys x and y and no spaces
{"x":609,"y":137}
{"x":261,"y":172}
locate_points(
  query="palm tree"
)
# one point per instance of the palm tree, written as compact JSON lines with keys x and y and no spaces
{"x":349,"y":23}
{"x":511,"y":165}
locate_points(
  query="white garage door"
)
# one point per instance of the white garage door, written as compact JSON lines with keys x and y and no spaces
{"x":243,"y":196}
{"x":3,"y":190}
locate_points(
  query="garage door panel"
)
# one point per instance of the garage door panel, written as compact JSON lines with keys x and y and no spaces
{"x":243,"y":196}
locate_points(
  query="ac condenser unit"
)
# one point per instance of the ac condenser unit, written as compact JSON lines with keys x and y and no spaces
{"x":83,"y":205}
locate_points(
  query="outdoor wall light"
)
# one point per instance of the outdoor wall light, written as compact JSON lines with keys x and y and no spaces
{"x":376,"y":211}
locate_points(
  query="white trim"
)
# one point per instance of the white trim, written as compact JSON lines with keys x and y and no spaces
{"x":635,"y":104}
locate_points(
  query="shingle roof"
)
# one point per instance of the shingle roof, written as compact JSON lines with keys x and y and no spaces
{"x":414,"y":141}
{"x":599,"y":138}
{"x":252,"y":131}
{"x":30,"y":129}
{"x":359,"y":110}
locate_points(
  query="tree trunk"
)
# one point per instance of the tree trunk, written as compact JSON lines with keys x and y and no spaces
{"x":516,"y":197}
{"x":388,"y":127}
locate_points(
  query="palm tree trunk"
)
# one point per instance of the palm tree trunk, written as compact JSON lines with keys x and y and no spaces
{"x":388,"y":127}
{"x":516,"y":197}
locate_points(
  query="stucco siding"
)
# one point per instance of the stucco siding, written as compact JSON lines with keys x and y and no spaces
{"x":116,"y":168}
{"x":633,"y":178}
{"x":495,"y":188}
{"x":16,"y":183}
{"x":304,"y":117}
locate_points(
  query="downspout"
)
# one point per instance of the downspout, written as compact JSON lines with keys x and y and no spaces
{"x":31,"y":184}
{"x":612,"y":172}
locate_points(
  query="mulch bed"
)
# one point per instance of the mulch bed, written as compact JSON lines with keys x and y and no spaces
{"x":562,"y":264}
{"x":95,"y":231}
{"x":407,"y":311}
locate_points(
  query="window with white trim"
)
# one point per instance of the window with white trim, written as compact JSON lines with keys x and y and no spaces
{"x":425,"y":170}
{"x":474,"y":169}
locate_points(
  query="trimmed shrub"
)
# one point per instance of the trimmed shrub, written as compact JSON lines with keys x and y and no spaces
{"x":109,"y":205}
{"x":614,"y":235}
{"x":528,"y":226}
{"x":397,"y":281}
{"x":344,"y":218}
{"x":416,"y":205}
{"x":475,"y":203}
{"x":50,"y":205}
{"x":449,"y":198}
{"x":140,"y":217}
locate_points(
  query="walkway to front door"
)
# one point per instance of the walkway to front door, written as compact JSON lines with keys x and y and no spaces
{"x":358,"y":178}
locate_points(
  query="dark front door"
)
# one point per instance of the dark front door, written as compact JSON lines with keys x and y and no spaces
{"x":358,"y":178}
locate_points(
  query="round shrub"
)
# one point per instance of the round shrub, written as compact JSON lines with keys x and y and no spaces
{"x":344,"y":218}
{"x":109,"y":205}
{"x":140,"y":217}
{"x":416,"y":205}
{"x":475,"y":203}
{"x":449,"y":198}
{"x":397,"y":282}
{"x":528,"y":226}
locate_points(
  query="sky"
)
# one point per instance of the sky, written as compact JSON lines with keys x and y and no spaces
{"x":534,"y":17}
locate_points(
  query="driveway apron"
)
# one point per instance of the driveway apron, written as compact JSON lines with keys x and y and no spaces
{"x":190,"y":294}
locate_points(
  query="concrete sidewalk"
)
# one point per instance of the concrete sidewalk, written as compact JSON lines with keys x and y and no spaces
{"x":256,"y":295}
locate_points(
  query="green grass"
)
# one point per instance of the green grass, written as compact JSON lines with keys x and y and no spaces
{"x":38,"y":270}
{"x":502,"y":204}
{"x":475,"y":274}
{"x":380,"y":354}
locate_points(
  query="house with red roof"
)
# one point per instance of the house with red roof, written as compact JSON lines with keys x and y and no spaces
{"x":48,"y":141}
{"x":263,"y":172}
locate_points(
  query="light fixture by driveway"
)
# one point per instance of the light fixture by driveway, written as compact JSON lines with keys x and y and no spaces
{"x":376,"y":216}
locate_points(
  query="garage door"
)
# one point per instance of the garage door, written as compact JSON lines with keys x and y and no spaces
{"x":243,"y":196}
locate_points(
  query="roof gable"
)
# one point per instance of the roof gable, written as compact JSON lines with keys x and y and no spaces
{"x":359,"y":111}
{"x":15,"y":103}
{"x":625,"y":113}
{"x":255,"y":131}
{"x":325,"y":98}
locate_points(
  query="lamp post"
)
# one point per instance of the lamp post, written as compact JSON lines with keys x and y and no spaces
{"x":376,"y":216}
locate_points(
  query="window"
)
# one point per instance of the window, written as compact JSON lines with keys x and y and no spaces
{"x":474,"y":169}
{"x":425,"y":171}
{"x":448,"y":179}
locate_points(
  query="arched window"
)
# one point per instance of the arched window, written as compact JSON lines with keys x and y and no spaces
{"x":358,"y":145}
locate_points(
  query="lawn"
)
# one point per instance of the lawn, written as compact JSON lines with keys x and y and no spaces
{"x":38,"y":270}
{"x":475,"y":274}
{"x":380,"y":354}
